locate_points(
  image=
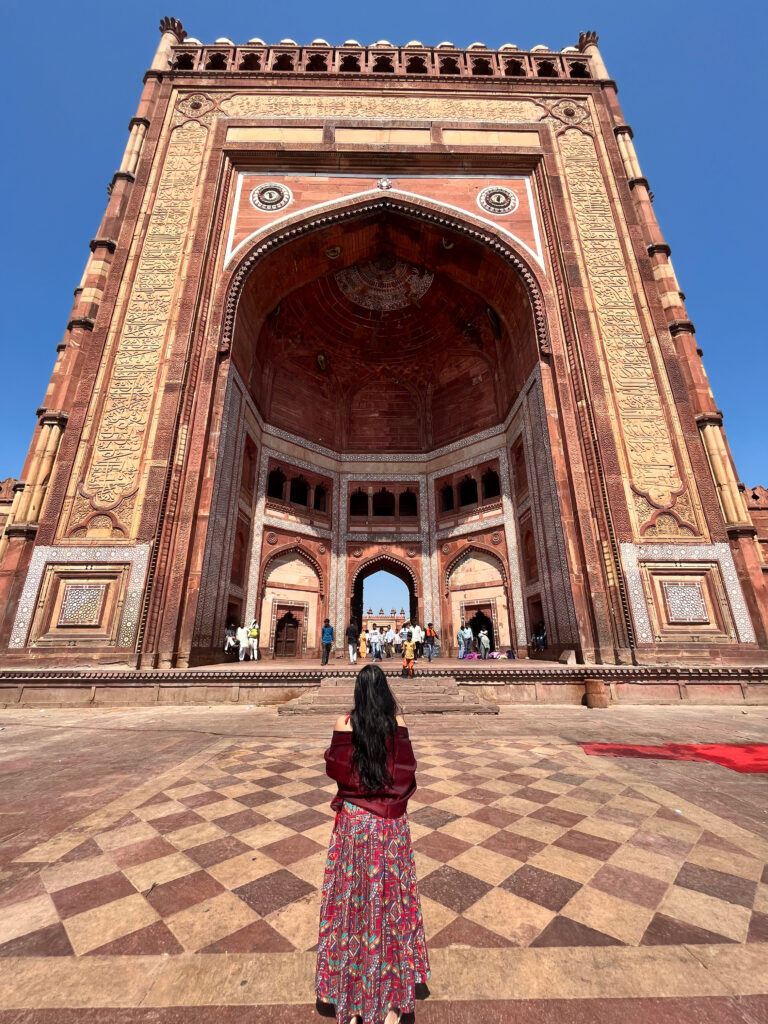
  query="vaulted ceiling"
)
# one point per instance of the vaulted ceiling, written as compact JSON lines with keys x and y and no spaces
{"x":408,"y":337}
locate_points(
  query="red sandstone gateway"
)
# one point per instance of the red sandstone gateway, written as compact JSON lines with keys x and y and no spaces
{"x":436,"y":333}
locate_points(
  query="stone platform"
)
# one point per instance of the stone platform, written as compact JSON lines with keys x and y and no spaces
{"x":274,"y":681}
{"x":428,"y":695}
{"x":164,"y":865}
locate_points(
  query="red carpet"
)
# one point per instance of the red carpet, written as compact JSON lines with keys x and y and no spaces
{"x":745,"y":757}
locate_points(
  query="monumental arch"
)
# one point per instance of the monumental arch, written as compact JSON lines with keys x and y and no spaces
{"x":354,"y":308}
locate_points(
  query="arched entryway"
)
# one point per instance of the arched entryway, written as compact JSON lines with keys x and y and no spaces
{"x":291,"y":606}
{"x":344,"y":360}
{"x":396,"y":568}
{"x":476,"y":595}
{"x":481,"y":620}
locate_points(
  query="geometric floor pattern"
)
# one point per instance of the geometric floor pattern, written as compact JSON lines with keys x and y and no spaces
{"x":518,"y":845}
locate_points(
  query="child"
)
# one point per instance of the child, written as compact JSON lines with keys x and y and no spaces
{"x":409,"y":655}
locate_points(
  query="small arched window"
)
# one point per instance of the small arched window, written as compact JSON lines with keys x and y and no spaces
{"x":383,"y":65}
{"x":239,"y":555}
{"x":383,"y":503}
{"x":283,"y":62}
{"x":299,"y":491}
{"x":446,"y":498}
{"x":358,"y":503}
{"x":250,"y":62}
{"x":546,"y":69}
{"x":217,"y":62}
{"x":317,"y":62}
{"x":184,"y":62}
{"x":416,"y":66}
{"x":481,"y":66}
{"x":578,"y":70}
{"x":276,"y":484}
{"x":408,"y":504}
{"x":248,"y":474}
{"x":449,"y":66}
{"x":349,"y":63}
{"x":514,"y":69}
{"x":490,"y":481}
{"x":468,"y":491}
{"x":321,"y":498}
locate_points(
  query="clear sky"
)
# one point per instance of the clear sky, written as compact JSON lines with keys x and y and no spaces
{"x":691,"y":79}
{"x":383,"y":590}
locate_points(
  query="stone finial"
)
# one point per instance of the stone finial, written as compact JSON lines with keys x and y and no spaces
{"x":757,"y":497}
{"x":588,"y":46}
{"x":6,"y":489}
{"x":173,"y":25}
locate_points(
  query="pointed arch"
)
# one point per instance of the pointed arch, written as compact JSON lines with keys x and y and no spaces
{"x":481,"y":550}
{"x":289,"y":228}
{"x":302,"y":552}
{"x":387,"y":562}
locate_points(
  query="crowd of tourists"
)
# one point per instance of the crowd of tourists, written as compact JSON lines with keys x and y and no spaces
{"x":411,"y":642}
{"x":384,"y":642}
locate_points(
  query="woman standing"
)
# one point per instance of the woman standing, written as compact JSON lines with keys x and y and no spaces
{"x":372,"y":951}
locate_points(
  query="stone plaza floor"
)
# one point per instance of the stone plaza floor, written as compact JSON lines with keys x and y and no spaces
{"x":164,"y":865}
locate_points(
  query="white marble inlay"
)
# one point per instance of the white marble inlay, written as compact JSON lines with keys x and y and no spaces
{"x":136,"y":556}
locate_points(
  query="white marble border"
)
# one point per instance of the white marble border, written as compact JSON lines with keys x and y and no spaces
{"x":633,"y":554}
{"x":465,"y":212}
{"x":137,"y":556}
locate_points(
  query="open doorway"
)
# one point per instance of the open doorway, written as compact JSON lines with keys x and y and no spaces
{"x":386,"y":598}
{"x":480,"y":619}
{"x":377,"y":578}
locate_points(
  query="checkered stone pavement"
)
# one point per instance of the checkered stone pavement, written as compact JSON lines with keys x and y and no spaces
{"x":517,"y":844}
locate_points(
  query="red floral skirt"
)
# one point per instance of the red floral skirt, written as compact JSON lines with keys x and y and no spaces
{"x":372,"y":952}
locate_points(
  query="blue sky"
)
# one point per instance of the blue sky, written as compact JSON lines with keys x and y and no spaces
{"x":383,"y":590}
{"x":691,"y":81}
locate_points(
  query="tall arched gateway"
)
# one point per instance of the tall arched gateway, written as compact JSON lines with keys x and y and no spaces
{"x":328,"y":325}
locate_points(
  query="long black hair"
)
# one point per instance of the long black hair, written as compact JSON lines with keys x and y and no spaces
{"x":374,"y":720}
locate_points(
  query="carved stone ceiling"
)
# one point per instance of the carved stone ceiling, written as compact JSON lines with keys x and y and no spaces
{"x":387,"y":352}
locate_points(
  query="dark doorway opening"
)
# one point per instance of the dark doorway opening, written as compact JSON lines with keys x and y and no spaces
{"x":287,"y":636}
{"x":356,"y":609}
{"x":481,"y":620}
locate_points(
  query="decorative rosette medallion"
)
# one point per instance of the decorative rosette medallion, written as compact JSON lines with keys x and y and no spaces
{"x":271,"y":196}
{"x":498,"y":200}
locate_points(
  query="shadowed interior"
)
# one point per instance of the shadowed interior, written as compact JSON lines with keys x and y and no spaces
{"x":384,"y":333}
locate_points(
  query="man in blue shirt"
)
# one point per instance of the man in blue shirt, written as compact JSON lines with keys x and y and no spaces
{"x":326,"y":638}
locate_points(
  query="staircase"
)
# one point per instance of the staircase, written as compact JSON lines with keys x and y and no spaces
{"x":423,"y":695}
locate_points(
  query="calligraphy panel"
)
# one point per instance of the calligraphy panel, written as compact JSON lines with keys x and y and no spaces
{"x":647,"y":443}
{"x":123,"y":423}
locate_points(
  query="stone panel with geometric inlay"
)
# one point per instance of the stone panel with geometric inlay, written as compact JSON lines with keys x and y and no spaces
{"x":685,"y":603}
{"x":82,"y":604}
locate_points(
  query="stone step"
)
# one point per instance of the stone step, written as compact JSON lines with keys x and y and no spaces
{"x":430,"y":697}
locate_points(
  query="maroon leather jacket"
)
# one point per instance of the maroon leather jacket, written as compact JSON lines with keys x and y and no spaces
{"x":389,"y":802}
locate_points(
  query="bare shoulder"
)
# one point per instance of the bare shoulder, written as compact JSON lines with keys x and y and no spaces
{"x":342,"y":725}
{"x":401,"y":721}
